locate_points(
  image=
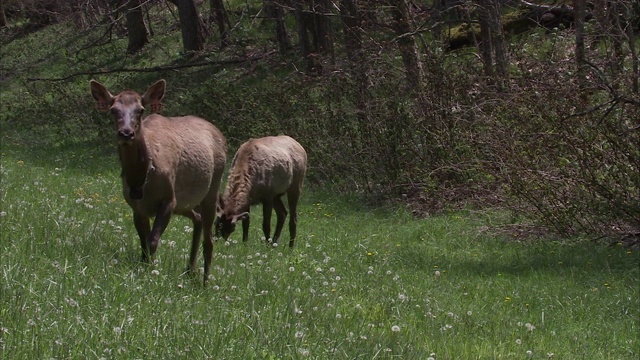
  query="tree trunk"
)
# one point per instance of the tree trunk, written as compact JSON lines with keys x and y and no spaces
{"x":497,"y":40}
{"x":579,"y":6}
{"x":406,"y":43}
{"x":438,"y":9}
{"x":312,"y":66}
{"x":219,"y":15}
{"x":136,"y":28}
{"x":190,"y":26}
{"x":617,"y":34}
{"x":632,"y":48}
{"x":321,"y":27}
{"x":486,"y":50}
{"x":352,"y":29}
{"x":275,"y":11}
{"x":352,"y":21}
{"x":3,"y":17}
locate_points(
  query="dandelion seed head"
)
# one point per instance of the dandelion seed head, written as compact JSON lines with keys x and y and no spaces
{"x":395,"y":328}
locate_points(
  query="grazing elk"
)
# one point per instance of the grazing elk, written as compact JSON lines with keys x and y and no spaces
{"x":169,"y":166}
{"x":263,"y":170}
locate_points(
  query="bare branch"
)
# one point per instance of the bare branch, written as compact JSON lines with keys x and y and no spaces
{"x":157,"y":68}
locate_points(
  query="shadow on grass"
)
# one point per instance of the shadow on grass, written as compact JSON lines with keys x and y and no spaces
{"x":518,"y":259}
{"x":88,"y":156}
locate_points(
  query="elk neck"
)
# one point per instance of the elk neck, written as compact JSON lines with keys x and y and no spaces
{"x":135,"y":162}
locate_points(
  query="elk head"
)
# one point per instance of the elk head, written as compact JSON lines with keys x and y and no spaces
{"x":225,"y":222}
{"x":127,"y":107}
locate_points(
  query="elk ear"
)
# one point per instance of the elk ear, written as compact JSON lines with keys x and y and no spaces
{"x":153,"y":96}
{"x":243,"y":216}
{"x":101,"y":95}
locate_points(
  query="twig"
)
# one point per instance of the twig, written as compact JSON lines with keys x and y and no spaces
{"x":156,"y":68}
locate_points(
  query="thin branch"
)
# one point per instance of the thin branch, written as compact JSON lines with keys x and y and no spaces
{"x":156,"y":68}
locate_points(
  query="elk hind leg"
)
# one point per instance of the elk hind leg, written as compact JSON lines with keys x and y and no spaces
{"x":281,"y":214}
{"x":292,"y":199}
{"x":196,"y":218}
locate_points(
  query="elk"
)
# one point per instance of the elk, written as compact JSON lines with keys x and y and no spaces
{"x":262,"y":171}
{"x":169,"y":166}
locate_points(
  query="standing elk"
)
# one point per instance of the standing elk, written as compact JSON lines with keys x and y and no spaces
{"x":263,"y":170}
{"x":169,"y":166}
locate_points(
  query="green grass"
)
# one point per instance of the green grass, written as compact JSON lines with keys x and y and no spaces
{"x":72,"y":286}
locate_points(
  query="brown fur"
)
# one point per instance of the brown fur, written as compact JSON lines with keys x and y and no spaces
{"x":263,"y":170}
{"x":169,"y":166}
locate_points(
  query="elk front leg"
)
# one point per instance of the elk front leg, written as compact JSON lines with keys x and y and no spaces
{"x":208,"y":216}
{"x":245,"y":227}
{"x":267,"y":206}
{"x":163,"y":215}
{"x":143,"y":227}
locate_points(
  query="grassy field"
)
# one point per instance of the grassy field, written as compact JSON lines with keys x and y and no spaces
{"x":361,"y":283}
